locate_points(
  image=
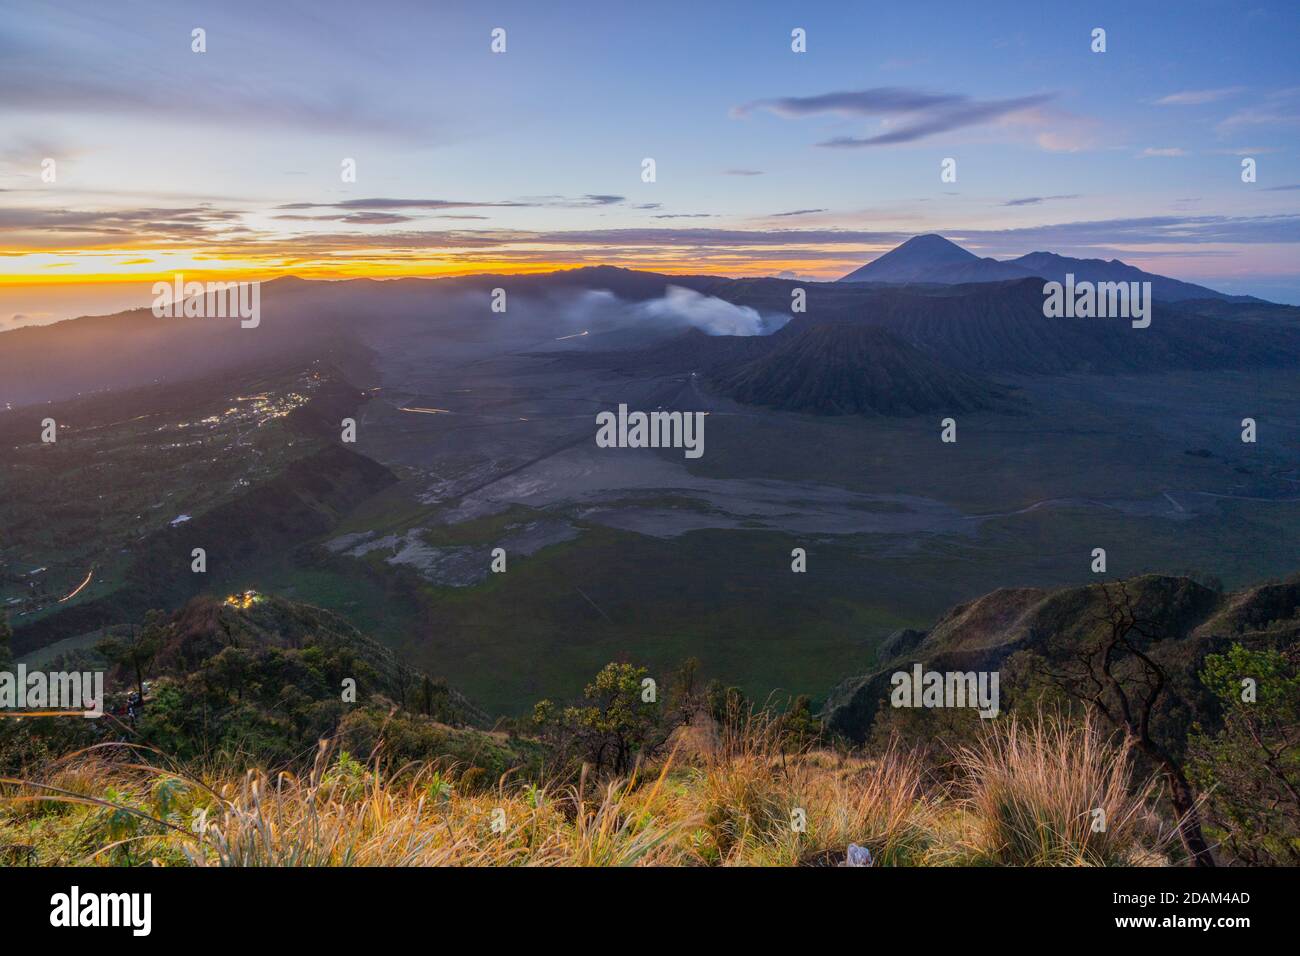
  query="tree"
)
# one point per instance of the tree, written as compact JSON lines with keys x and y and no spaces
{"x":229,"y":673}
{"x":1251,"y":767}
{"x":615,"y":724}
{"x":727,"y":705}
{"x":1115,"y":676}
{"x":137,"y":650}
{"x":685,"y":696}
{"x":426,"y":696}
{"x":404,"y":682}
{"x":799,"y":726}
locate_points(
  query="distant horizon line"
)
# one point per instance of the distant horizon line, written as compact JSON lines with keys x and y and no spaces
{"x":1283,"y":289}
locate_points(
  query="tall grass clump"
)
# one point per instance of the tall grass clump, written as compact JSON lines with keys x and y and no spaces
{"x":347,"y":814}
{"x":1050,"y":792}
{"x":1041,"y":791}
{"x":756,"y":791}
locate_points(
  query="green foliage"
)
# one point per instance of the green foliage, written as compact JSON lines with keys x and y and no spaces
{"x":136,"y":651}
{"x":265,"y":682}
{"x":438,"y":789}
{"x":727,"y":705}
{"x":799,"y":726}
{"x":685,"y":694}
{"x":276,"y":712}
{"x":1250,"y":769}
{"x":347,"y":778}
{"x":931,"y":734}
{"x":35,"y":742}
{"x":399,"y":738}
{"x":261,"y":685}
{"x":613,"y":726}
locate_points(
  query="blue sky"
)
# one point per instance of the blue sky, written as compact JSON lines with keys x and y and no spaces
{"x":767,"y":161}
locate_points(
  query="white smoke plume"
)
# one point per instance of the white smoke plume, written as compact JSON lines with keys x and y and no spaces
{"x":707,"y":313}
{"x":678,"y":308}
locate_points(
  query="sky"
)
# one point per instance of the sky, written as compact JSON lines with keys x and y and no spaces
{"x":767,"y":161}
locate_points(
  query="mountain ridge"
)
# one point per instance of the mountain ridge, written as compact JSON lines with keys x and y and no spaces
{"x":932,"y":258}
{"x":985,"y":633}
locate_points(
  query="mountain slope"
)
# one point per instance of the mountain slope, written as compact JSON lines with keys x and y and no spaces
{"x":299,"y":495}
{"x":1000,"y":327}
{"x":880,"y":349}
{"x":1189,"y":619}
{"x":1051,"y":266}
{"x":204,"y":627}
{"x":849,"y":369}
{"x":932,"y":258}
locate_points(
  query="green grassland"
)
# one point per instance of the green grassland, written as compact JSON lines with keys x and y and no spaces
{"x":730,"y":599}
{"x":1087,"y":464}
{"x":125,"y":466}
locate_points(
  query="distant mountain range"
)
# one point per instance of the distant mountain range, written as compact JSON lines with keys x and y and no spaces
{"x":923,"y":349}
{"x":934,"y":259}
{"x":929,"y":339}
{"x":882,"y":348}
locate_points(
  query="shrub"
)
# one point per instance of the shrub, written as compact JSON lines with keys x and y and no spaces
{"x":1052,"y":792}
{"x":1250,"y":769}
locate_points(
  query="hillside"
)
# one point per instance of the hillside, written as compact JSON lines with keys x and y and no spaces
{"x":1049,"y":265}
{"x":267,"y":629}
{"x":259,"y":679}
{"x":244,"y":689}
{"x":246,"y":468}
{"x":1000,"y":327}
{"x":1190,"y":619}
{"x":842,"y":369}
{"x":877,"y":349}
{"x":300,"y":322}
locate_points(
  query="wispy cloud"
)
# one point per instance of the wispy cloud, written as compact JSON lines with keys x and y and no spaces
{"x":1281,"y":108}
{"x":1198,"y":97}
{"x":908,"y":115}
{"x":44,"y":228}
{"x":355,"y":218}
{"x":1036,"y":200}
{"x":387,"y":203}
{"x":134,"y":81}
{"x":580,"y":202}
{"x":1151,"y":151}
{"x":665,"y":237}
{"x":218,"y":232}
{"x":529,"y":202}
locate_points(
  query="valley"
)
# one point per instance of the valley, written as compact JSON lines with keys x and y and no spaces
{"x":477,"y":431}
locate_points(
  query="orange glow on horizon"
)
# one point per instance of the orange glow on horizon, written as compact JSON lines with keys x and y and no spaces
{"x":728,"y":263}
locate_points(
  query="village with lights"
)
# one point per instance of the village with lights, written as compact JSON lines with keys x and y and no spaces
{"x":128,"y":466}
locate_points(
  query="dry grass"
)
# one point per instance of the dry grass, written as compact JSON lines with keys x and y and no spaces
{"x":1054,"y":793}
{"x":752,"y":796}
{"x":1027,"y":792}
